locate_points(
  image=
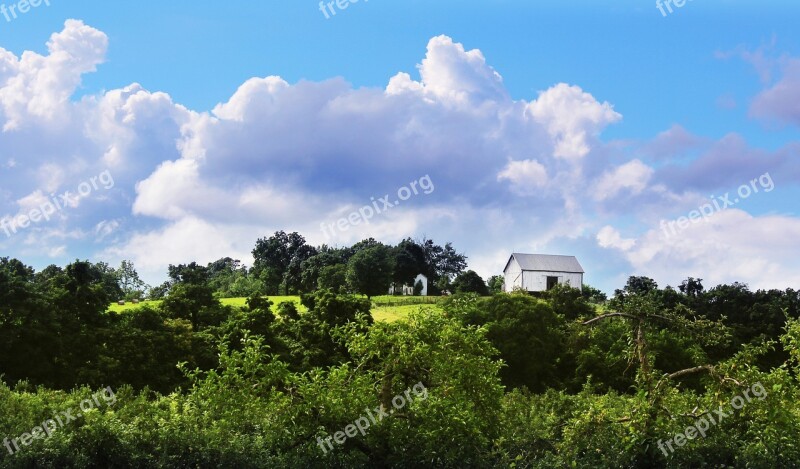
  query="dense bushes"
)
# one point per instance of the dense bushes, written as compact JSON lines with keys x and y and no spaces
{"x":255,"y":412}
{"x":510,"y":380}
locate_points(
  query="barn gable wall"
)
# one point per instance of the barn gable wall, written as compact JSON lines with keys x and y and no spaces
{"x":537,"y":280}
{"x":513,"y":276}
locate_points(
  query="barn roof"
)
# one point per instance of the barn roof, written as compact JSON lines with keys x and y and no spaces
{"x":547,"y":262}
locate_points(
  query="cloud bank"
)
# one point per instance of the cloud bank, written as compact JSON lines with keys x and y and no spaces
{"x":510,"y":174}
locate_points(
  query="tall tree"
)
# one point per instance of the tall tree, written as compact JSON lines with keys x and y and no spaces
{"x":333,"y":277}
{"x":369,"y":271}
{"x":29,"y":336}
{"x":443,"y":263}
{"x":109,"y":277}
{"x":692,"y":287}
{"x":129,"y":281}
{"x":450,"y":263}
{"x":273,"y":257}
{"x":470,"y":282}
{"x":409,"y":261}
{"x":190,"y":295}
{"x":293,"y":277}
{"x":635,"y":287}
{"x":312,"y":268}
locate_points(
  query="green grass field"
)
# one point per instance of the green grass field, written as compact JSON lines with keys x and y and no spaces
{"x":393,"y":313}
{"x":128,"y":306}
{"x":235,"y":302}
{"x":389,"y":300}
{"x":384,"y":308}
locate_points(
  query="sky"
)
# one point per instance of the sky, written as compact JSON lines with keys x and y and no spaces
{"x":643,"y":141}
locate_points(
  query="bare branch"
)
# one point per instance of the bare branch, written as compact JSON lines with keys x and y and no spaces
{"x":626,"y":315}
{"x":609,"y":315}
{"x":689,"y":371}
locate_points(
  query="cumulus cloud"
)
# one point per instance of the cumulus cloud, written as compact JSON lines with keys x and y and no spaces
{"x":572,"y":118}
{"x":731,"y":246}
{"x":609,"y":237}
{"x":525,"y":176}
{"x":36,"y":86}
{"x":632,"y":177}
{"x":177,"y":242}
{"x":510,"y":174}
{"x":313,"y":151}
{"x":453,"y":75}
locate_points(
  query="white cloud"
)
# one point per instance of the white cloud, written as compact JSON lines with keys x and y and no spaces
{"x":196,"y":186}
{"x":732,"y":246}
{"x":254,"y":93}
{"x":632,"y":176}
{"x":189,"y":239}
{"x":453,"y":75}
{"x":40,"y":86}
{"x":526,"y":176}
{"x":572,"y":117}
{"x":609,"y":237}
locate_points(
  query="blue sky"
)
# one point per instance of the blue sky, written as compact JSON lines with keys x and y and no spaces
{"x":557,"y":127}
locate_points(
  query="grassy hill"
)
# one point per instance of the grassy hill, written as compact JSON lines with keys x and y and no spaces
{"x":384,"y":308}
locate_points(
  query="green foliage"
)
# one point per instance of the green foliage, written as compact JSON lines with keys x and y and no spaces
{"x":524,"y":330}
{"x":333,"y":277}
{"x":444,"y":263}
{"x":254,"y":411}
{"x":593,"y":295}
{"x":569,"y":302}
{"x":130,"y":284}
{"x":279,"y":260}
{"x":369,"y":271}
{"x":228,"y":278}
{"x":470,"y":282}
{"x":143,"y":349}
{"x":496,"y":284}
{"x":455,"y":365}
{"x":510,"y":380}
{"x":159,"y":292}
{"x":310,"y":339}
{"x":408,"y":262}
{"x":191,"y":297}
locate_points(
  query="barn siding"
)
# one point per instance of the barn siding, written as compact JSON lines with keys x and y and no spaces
{"x":513,"y":277}
{"x":537,"y":280}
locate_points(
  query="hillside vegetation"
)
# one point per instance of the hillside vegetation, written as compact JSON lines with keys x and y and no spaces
{"x":656,"y":377}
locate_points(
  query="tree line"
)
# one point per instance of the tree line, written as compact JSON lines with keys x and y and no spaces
{"x":285,"y":264}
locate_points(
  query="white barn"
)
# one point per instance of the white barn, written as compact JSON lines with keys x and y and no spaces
{"x":541,"y":272}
